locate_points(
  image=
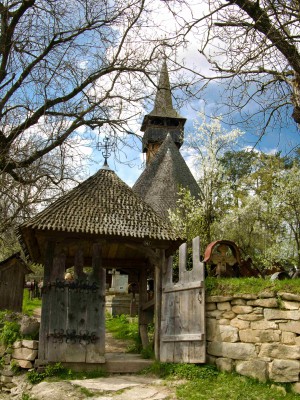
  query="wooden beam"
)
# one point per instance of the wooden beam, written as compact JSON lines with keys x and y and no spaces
{"x":98,"y":271}
{"x":148,"y":305}
{"x":49,"y":255}
{"x":159,"y":267}
{"x":151,"y":254}
{"x":188,"y":337}
{"x":180,"y":287}
{"x":117,"y":263}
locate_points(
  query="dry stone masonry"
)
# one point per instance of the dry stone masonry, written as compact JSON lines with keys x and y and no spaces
{"x":22,"y":355}
{"x":256,"y":336}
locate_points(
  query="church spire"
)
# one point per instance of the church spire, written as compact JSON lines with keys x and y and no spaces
{"x":163,"y":119}
{"x":163,"y":101}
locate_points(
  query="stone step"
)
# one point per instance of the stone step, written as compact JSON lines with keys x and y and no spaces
{"x":115,"y":363}
{"x":124,"y":363}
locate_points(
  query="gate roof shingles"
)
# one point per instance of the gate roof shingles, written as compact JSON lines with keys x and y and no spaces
{"x":102,"y":205}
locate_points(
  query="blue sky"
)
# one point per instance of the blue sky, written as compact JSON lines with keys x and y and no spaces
{"x":275,"y":139}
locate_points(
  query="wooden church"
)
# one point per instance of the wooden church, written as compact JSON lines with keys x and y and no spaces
{"x":166,"y":170}
{"x":103,"y":224}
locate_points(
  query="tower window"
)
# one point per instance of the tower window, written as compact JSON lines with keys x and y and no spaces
{"x":172,"y":122}
{"x":157,"y":121}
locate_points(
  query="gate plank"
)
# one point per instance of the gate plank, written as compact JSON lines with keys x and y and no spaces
{"x":96,"y":310}
{"x":182,"y":320}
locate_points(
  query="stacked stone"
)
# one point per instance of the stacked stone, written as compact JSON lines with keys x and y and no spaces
{"x":256,"y":336}
{"x":21,"y":355}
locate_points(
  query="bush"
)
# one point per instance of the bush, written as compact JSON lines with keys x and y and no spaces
{"x":10,"y":332}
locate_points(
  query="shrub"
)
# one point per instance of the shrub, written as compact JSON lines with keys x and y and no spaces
{"x":10,"y":332}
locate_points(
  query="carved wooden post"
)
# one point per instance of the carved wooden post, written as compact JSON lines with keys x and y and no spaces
{"x":58,"y":267}
{"x":45,"y":315}
{"x":96,"y":308}
{"x":49,"y":255}
{"x":79,"y":264}
{"x":143,"y":315}
{"x":159,"y":266}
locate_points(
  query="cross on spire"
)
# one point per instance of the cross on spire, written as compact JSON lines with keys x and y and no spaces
{"x":106,"y":146}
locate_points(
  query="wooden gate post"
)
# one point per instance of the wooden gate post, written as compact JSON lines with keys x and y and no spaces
{"x":45,"y":314}
{"x":159,"y":268}
{"x":95,"y":309}
{"x":143,"y":315}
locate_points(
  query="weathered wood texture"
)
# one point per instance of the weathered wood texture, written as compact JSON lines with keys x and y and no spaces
{"x":73,"y":314}
{"x":182,"y":336}
{"x":143,"y":314}
{"x":12,"y":279}
{"x":159,"y":268}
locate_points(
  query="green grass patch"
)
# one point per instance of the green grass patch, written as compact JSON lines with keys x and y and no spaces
{"x":231,"y":286}
{"x":125,"y":328}
{"x":233,"y":387}
{"x":26,"y":396}
{"x":57,"y":372}
{"x":205,"y":382}
{"x":182,"y":371}
{"x":87,"y":392}
{"x":29,"y":305}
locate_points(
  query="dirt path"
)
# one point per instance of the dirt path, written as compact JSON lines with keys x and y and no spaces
{"x":113,"y":345}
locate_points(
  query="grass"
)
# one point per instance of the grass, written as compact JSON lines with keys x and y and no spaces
{"x":87,"y":392}
{"x":231,"y":286}
{"x":181,"y":371}
{"x":29,"y":305}
{"x":205,"y":382}
{"x":57,"y":372}
{"x":125,"y":328}
{"x":233,"y":387}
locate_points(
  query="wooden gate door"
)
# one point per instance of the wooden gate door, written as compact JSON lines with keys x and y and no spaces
{"x":73,"y":321}
{"x":182,"y":335}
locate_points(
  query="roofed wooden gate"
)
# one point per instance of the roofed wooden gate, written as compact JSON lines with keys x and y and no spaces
{"x":182,"y":336}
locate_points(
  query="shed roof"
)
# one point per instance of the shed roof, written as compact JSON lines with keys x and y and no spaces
{"x":102,"y":205}
{"x":158,"y":185}
{"x":12,"y":260}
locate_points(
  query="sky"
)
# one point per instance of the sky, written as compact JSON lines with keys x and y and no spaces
{"x":133,"y":160}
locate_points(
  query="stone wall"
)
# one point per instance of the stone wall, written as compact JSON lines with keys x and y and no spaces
{"x":256,"y":336}
{"x":21,"y":355}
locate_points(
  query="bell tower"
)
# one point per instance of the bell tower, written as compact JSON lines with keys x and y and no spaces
{"x":163,"y":119}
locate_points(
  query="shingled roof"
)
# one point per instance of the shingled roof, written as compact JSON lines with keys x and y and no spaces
{"x":163,"y":105}
{"x":158,"y":185}
{"x":102,"y":205}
